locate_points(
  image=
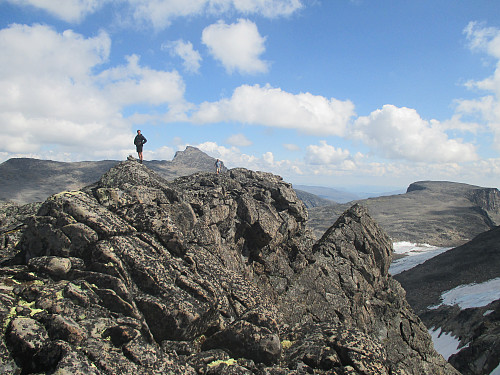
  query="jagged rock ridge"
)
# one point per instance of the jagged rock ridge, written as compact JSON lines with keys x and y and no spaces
{"x":211,"y":274}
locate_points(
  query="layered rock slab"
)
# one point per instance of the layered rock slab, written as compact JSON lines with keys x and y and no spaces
{"x":207,"y":274}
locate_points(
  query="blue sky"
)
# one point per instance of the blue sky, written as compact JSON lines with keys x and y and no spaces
{"x":335,"y":93}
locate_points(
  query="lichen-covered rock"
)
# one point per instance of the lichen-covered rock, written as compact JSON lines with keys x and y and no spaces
{"x":211,"y":273}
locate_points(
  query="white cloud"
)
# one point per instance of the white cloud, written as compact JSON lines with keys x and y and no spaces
{"x":162,"y":153}
{"x":40,"y":51}
{"x":268,"y":157}
{"x":239,"y":140}
{"x":135,"y":84}
{"x":291,"y":147}
{"x":485,"y":109}
{"x":456,"y":123}
{"x":273,"y":107}
{"x":160,"y":13}
{"x":67,"y":10}
{"x":234,"y":158}
{"x":51,"y":98}
{"x":237,"y":46}
{"x":400,"y":133}
{"x":268,"y":8}
{"x":185,"y":51}
{"x":325,"y":154}
{"x":485,"y":39}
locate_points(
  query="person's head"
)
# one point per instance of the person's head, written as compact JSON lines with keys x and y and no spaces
{"x":138,"y":132}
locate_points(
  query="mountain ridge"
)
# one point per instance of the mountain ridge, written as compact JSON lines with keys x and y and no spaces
{"x":27,"y":180}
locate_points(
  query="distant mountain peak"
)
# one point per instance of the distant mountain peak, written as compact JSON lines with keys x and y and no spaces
{"x":189,"y":150}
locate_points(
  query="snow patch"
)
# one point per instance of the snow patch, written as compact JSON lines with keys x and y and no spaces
{"x":471,"y":295}
{"x":445,"y":343}
{"x":496,"y":371}
{"x":414,"y":254}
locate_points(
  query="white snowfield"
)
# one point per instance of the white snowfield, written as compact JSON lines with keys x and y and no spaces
{"x":465,"y":296}
{"x":471,"y":295}
{"x":445,"y":343}
{"x":415,"y":254}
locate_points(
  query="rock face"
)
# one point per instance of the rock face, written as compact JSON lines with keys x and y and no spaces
{"x":439,"y":213}
{"x":213,"y":274}
{"x":12,"y":217}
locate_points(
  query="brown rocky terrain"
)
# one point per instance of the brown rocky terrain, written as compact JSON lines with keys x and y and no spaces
{"x":207,"y":274}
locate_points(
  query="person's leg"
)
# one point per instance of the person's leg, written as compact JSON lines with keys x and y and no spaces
{"x":140,"y":157}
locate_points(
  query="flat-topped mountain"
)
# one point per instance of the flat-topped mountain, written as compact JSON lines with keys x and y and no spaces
{"x":206,"y":274}
{"x":435,"y":212}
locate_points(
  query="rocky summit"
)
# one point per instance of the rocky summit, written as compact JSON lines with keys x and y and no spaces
{"x":208,"y":274}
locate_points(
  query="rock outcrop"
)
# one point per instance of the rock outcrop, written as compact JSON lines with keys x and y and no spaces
{"x":213,"y":274}
{"x":12,"y":218}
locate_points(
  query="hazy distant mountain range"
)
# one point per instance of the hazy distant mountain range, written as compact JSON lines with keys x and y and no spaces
{"x":342,"y":195}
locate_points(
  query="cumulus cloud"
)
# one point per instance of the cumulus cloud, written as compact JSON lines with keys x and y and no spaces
{"x":239,"y":140}
{"x":40,"y":51}
{"x":192,"y":59}
{"x":67,"y":10}
{"x":162,"y":153}
{"x":234,"y":158}
{"x":237,"y":46}
{"x":274,"y":107}
{"x":50,"y":97}
{"x":132,"y":83}
{"x":400,"y":133}
{"x":325,"y":154}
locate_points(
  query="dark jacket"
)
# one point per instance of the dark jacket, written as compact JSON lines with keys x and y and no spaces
{"x":139,"y":140}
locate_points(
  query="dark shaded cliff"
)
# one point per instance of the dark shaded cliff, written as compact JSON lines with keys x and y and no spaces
{"x":213,"y":274}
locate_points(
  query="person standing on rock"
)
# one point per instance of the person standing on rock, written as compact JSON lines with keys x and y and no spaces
{"x":218,"y":166}
{"x":139,"y":141}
